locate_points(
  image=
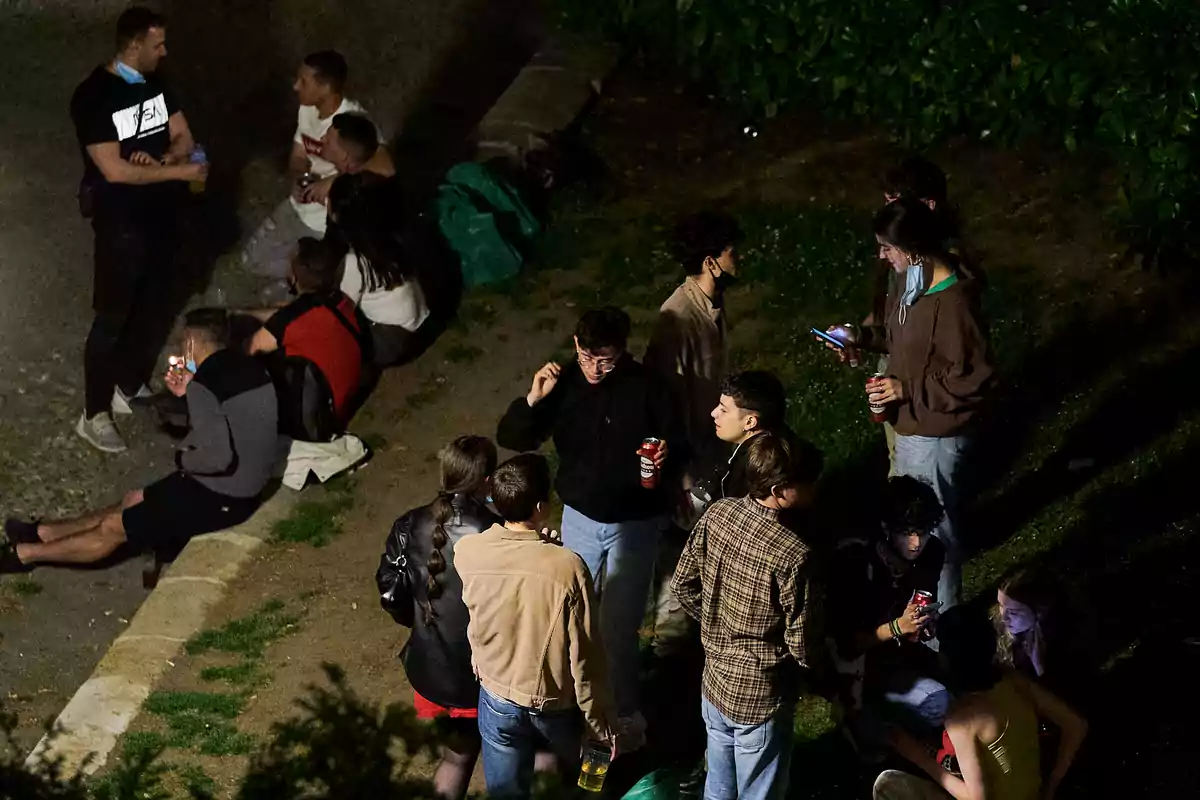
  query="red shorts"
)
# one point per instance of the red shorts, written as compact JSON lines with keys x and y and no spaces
{"x":427,"y":709}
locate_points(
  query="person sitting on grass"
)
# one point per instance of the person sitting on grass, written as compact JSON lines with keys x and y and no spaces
{"x":876,"y":626}
{"x":224,"y":464}
{"x":437,"y":656}
{"x":991,"y":727}
{"x":321,"y":325}
{"x":533,"y":636}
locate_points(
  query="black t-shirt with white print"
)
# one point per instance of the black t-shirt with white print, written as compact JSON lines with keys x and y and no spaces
{"x":105,"y":108}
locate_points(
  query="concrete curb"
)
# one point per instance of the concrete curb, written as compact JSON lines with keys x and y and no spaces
{"x":88,"y":727}
{"x":545,"y":97}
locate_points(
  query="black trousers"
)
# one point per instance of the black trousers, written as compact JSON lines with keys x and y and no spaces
{"x":135,"y":295}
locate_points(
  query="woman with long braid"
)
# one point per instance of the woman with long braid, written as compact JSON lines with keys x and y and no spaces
{"x":437,"y":658}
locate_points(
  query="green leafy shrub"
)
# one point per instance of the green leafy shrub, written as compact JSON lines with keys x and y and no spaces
{"x":1116,"y":76}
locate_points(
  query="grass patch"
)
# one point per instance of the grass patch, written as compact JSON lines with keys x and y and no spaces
{"x":463,"y":353}
{"x":247,"y":636}
{"x":201,"y":721}
{"x":195,"y":780}
{"x":218,"y":704}
{"x":25,"y":587}
{"x":814,"y":719}
{"x":315,"y":522}
{"x":138,"y":744}
{"x":246,"y":674}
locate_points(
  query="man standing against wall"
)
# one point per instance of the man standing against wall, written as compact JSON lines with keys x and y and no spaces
{"x":136,"y":146}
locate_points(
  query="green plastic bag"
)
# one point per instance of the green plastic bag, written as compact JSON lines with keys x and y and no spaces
{"x":667,"y":784}
{"x":485,"y":222}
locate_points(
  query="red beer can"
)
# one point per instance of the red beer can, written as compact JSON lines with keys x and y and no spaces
{"x":646,"y":454}
{"x":879,"y":413}
{"x":920,"y":599}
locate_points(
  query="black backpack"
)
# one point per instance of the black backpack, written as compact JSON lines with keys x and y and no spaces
{"x":305,"y":401}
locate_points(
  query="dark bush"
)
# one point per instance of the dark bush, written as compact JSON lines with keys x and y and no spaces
{"x":1118,"y":76}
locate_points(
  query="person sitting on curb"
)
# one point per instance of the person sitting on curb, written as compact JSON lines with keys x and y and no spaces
{"x":319,"y":86}
{"x":321,"y":325}
{"x":533,"y":637}
{"x":224,"y":464}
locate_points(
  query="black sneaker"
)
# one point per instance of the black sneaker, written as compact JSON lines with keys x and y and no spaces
{"x":9,"y":563}
{"x":21,"y":531}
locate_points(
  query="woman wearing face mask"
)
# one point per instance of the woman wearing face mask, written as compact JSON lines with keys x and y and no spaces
{"x":939,"y":368}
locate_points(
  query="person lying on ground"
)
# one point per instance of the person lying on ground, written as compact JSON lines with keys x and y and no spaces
{"x":878,"y":625}
{"x":599,"y":411}
{"x":224,"y":464}
{"x":746,"y":578}
{"x":379,"y":271}
{"x":419,"y":584}
{"x":533,"y":637}
{"x":321,"y":325}
{"x":940,"y":372}
{"x":991,"y":727}
{"x":319,"y":86}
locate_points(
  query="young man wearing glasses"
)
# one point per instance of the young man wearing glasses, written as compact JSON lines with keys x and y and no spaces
{"x":598,"y":412}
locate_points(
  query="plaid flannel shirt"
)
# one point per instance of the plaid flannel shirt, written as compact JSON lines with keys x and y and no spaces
{"x":743,"y":575}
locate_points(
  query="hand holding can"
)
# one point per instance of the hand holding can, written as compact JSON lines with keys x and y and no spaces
{"x":649,"y":461}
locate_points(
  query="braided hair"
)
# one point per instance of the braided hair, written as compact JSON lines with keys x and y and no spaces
{"x":465,"y":463}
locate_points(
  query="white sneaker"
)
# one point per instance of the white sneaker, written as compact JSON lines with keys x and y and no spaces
{"x":100,"y":432}
{"x":120,"y":403}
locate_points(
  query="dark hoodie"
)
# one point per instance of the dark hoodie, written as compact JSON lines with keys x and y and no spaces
{"x":938,"y":349}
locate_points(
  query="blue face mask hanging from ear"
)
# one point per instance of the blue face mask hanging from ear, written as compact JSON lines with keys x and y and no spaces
{"x":128,"y":73}
{"x":914,"y":286}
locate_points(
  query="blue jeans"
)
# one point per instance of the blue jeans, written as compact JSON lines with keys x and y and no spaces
{"x":747,"y":762}
{"x":620,"y":556}
{"x":938,"y":461}
{"x":512,"y":735}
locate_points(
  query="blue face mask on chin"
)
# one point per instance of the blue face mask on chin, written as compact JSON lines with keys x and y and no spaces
{"x":128,"y":73}
{"x":190,"y":365}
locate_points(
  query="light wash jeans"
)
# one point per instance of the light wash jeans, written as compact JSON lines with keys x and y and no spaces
{"x":938,"y":461}
{"x":747,"y":762}
{"x":512,"y":735}
{"x":620,"y":556}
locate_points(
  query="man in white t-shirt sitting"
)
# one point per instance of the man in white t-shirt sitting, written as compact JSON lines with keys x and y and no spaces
{"x":319,"y":84}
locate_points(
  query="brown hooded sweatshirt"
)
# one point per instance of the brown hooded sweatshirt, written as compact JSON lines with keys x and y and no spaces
{"x":940,"y":355}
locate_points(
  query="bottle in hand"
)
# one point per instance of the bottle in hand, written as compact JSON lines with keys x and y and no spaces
{"x":197,"y":156}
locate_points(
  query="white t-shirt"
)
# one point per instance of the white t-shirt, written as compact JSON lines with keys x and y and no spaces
{"x":310,"y":132}
{"x":404,"y":305}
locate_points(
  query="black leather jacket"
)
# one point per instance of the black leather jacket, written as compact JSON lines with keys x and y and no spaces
{"x":437,"y":657}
